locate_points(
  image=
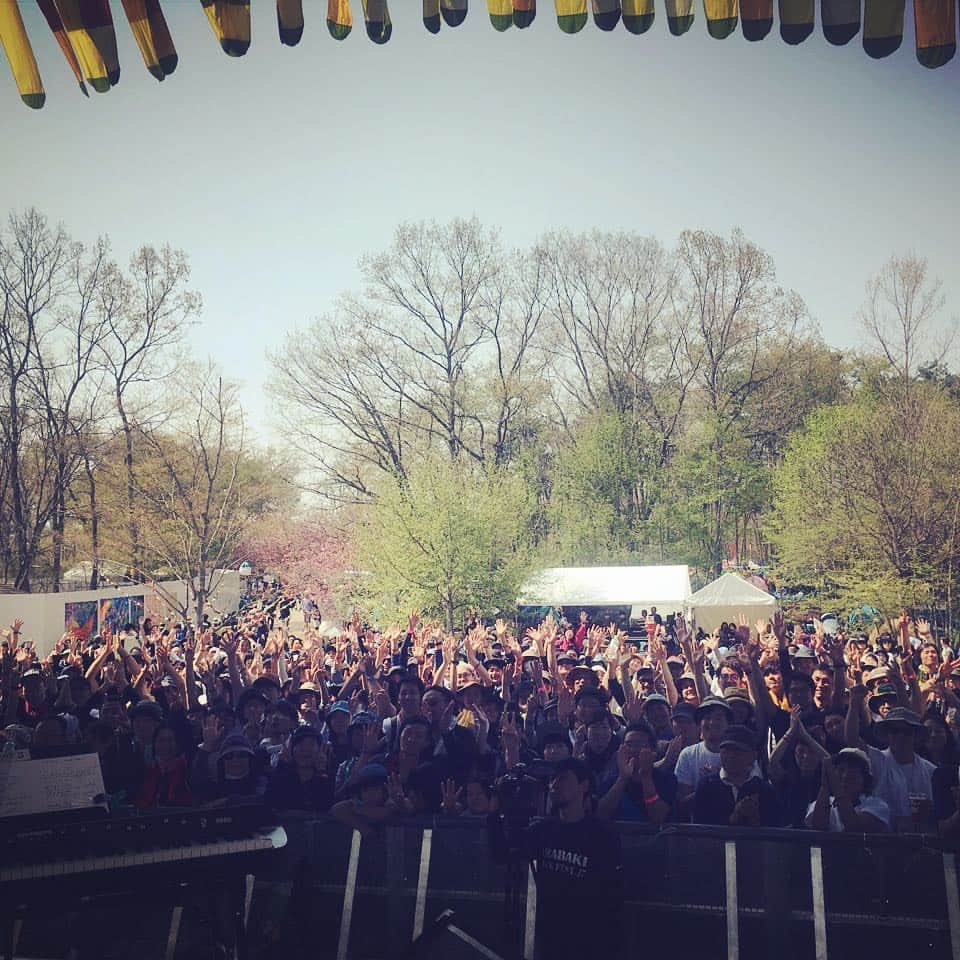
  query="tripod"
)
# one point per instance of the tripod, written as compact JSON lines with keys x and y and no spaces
{"x":519,"y":923}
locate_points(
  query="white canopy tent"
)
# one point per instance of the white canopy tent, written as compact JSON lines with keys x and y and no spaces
{"x":726,"y":599}
{"x":666,"y":588}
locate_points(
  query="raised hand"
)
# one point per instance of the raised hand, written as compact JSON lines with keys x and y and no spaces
{"x":645,"y":760}
{"x":371,"y":739}
{"x":673,"y":751}
{"x":449,"y":649}
{"x":657,"y":650}
{"x":501,"y":628}
{"x":564,"y":702}
{"x":382,"y":701}
{"x":508,"y":729}
{"x":211,"y":733}
{"x":450,"y":797}
{"x":449,"y":716}
{"x":395,"y":790}
{"x":795,"y":725}
{"x":858,"y":693}
{"x":483,"y":724}
{"x":628,"y":766}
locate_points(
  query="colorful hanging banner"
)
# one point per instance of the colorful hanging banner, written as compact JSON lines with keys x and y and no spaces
{"x":454,"y":12}
{"x":52,"y":16}
{"x":756,"y":18}
{"x":431,"y":15}
{"x":290,"y":21}
{"x":377,"y":19}
{"x":841,"y":20}
{"x":153,"y":38}
{"x":882,"y":27}
{"x":571,"y":15}
{"x":501,"y":14}
{"x":721,"y":17}
{"x":89,"y":27}
{"x":796,"y":20}
{"x":936,"y":29}
{"x":339,"y":19}
{"x":606,"y":14}
{"x":524,"y":13}
{"x":679,"y":16}
{"x":230,"y":20}
{"x":23,"y":64}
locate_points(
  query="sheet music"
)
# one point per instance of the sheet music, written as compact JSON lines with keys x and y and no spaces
{"x":50,"y":786}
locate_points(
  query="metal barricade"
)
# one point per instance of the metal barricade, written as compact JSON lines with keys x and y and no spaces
{"x":733,"y":894}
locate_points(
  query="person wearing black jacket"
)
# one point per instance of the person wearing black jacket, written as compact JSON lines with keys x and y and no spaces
{"x":737,"y":796}
{"x":304,"y":781}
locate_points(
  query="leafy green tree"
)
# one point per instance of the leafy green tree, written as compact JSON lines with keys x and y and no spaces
{"x":716,"y":487}
{"x":867,"y":501}
{"x":448,"y":537}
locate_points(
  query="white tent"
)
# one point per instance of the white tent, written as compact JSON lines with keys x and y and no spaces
{"x":666,"y":588}
{"x":727,"y":598}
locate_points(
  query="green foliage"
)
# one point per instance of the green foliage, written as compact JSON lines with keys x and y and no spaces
{"x":866,"y":500}
{"x":715,"y":484}
{"x":448,"y":538}
{"x":598,"y":476}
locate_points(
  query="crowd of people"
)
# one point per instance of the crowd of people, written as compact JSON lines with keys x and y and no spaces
{"x":749,"y":726}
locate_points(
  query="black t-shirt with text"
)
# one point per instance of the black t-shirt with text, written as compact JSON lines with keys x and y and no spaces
{"x":578,"y":870}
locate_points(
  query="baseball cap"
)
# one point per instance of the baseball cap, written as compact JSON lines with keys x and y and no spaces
{"x":740,"y":737}
{"x":711,"y":702}
{"x":687,"y":710}
{"x":372,"y":773}
{"x":656,"y":698}
{"x":235,"y":743}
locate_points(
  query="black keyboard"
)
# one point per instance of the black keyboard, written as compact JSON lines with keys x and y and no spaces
{"x":43,"y":847}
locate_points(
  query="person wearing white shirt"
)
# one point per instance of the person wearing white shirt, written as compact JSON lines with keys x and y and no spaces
{"x":845,"y":800}
{"x":903,"y":780}
{"x":703,"y":758}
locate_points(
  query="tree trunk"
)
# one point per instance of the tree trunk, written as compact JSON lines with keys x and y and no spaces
{"x":59,"y":523}
{"x":201,"y":591}
{"x":22,"y":578}
{"x":448,"y":612}
{"x":94,"y":527}
{"x":133,"y":526}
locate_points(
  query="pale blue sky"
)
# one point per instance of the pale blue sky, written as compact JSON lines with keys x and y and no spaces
{"x":276,"y":171}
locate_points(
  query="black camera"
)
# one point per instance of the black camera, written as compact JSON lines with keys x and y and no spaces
{"x":519,"y":794}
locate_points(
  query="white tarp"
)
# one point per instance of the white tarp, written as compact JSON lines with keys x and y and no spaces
{"x":726,"y":599}
{"x":666,"y":588}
